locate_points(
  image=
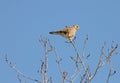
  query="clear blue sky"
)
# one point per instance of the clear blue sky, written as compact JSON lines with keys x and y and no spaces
{"x":23,"y":21}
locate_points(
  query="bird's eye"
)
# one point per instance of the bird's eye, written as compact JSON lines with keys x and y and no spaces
{"x":77,"y":26}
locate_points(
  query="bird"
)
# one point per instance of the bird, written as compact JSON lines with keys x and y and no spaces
{"x":68,"y":32}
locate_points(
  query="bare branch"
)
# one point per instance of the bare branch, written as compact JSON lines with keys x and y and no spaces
{"x":85,"y":44}
{"x":112,"y":52}
{"x":45,"y":42}
{"x":58,"y":59}
{"x":100,"y":62}
{"x":82,"y":70}
{"x":81,"y":61}
{"x":64,"y":76}
{"x":19,"y":78}
{"x":19,"y":72}
{"x":103,"y":62}
{"x":51,"y":80}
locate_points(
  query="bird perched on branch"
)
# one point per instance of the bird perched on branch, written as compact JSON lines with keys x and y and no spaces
{"x":68,"y":32}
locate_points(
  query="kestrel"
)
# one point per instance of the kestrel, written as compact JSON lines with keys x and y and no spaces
{"x":68,"y":32}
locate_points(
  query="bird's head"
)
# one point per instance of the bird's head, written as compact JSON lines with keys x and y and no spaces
{"x":76,"y":27}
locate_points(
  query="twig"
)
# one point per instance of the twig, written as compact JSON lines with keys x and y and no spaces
{"x":108,"y":78}
{"x":99,"y":64}
{"x":19,"y":78}
{"x":102,"y":63}
{"x":19,"y":72}
{"x":45,"y":42}
{"x":51,"y":80}
{"x":85,"y":44}
{"x":81,"y":61}
{"x":58,"y":60}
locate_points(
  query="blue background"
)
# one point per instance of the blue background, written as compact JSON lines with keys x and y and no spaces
{"x":22,"y":22}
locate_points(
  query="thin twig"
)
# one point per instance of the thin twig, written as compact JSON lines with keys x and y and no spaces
{"x":58,"y":60}
{"x":45,"y":42}
{"x":99,"y":64}
{"x":85,"y":44}
{"x":103,"y":62}
{"x":19,"y":78}
{"x":81,"y":61}
{"x":108,"y":77}
{"x":19,"y":72}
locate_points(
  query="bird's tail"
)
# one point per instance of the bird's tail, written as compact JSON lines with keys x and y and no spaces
{"x":55,"y":32}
